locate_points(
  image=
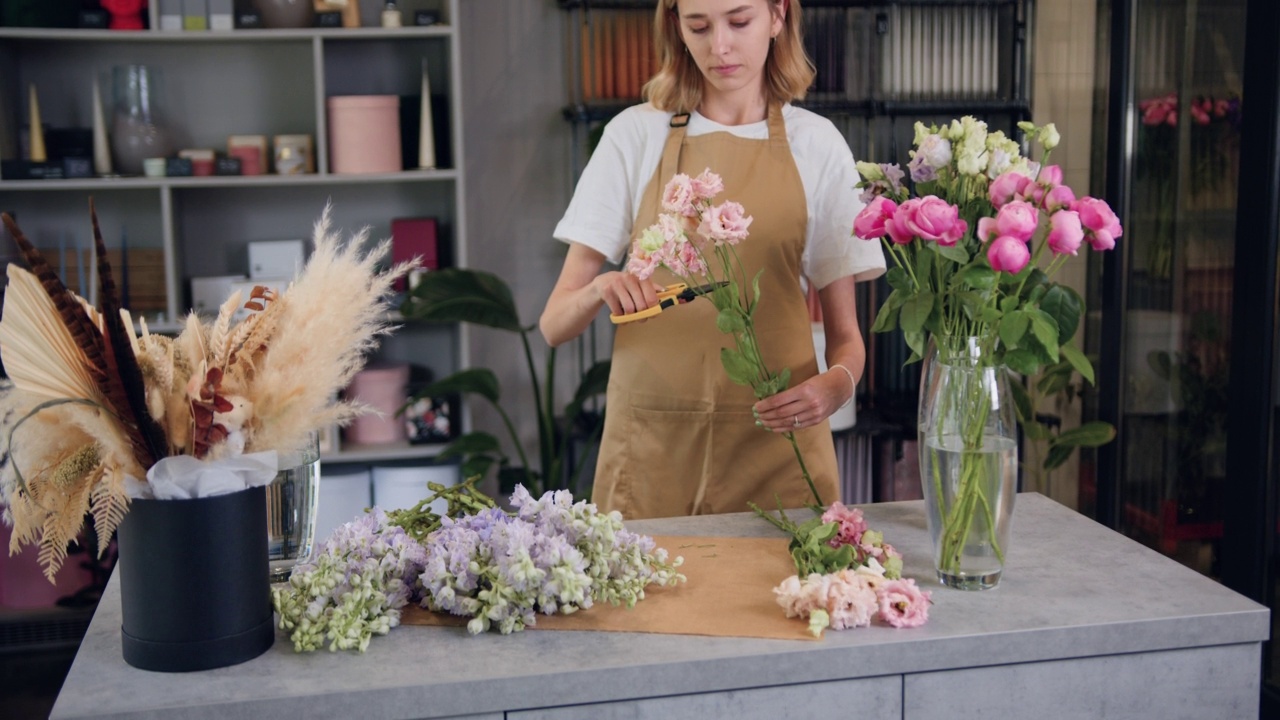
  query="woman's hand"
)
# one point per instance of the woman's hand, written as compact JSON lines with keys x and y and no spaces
{"x":624,"y":293}
{"x":806,"y":404}
{"x":582,"y":290}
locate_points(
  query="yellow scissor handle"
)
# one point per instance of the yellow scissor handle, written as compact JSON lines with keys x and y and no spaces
{"x":666,"y":298}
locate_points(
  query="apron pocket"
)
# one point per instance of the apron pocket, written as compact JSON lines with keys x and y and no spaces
{"x":664,"y":470}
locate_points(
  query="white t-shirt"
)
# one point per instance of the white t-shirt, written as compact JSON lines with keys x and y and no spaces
{"x":603,"y":210}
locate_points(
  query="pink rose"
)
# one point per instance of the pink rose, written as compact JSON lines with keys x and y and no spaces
{"x":897,"y":226}
{"x":1018,"y":219}
{"x":677,"y":196}
{"x":870,"y":223}
{"x":932,"y":218}
{"x":1006,"y":187}
{"x":1050,"y":176}
{"x":956,"y":232}
{"x":707,"y":185}
{"x":986,"y":229}
{"x":902,"y":604}
{"x":1102,"y":227}
{"x":1008,"y":254}
{"x":725,"y":223}
{"x":1059,"y":198}
{"x":1065,"y":233}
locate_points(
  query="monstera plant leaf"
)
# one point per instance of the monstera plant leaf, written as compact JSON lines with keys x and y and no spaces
{"x":460,"y":295}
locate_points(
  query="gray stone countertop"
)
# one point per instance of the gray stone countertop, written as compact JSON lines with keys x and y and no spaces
{"x":1071,"y":588}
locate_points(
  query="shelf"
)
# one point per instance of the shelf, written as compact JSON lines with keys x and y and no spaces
{"x":214,"y":36}
{"x":351,"y":453}
{"x":602,"y":110}
{"x":648,"y":4}
{"x":230,"y":181}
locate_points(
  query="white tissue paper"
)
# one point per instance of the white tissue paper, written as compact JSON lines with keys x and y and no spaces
{"x":183,"y":477}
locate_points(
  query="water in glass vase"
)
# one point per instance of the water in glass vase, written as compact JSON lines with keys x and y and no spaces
{"x":969,"y":495}
{"x":291,"y":510}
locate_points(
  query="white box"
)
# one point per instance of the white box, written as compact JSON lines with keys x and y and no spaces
{"x":344,"y":495}
{"x":396,"y":487}
{"x":221,"y":15}
{"x":276,"y":258}
{"x":208,"y":293}
{"x":170,"y":14}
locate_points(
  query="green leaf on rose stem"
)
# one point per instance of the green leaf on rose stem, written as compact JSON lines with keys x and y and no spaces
{"x":1012,"y":327}
{"x":1035,"y":279}
{"x":916,"y":311}
{"x":916,"y":341}
{"x":887,"y":318}
{"x":924,"y":267}
{"x":1035,"y":293}
{"x":1090,"y":434}
{"x":1057,"y":455}
{"x":1054,"y":379}
{"x":730,"y":320}
{"x":972,"y":303}
{"x":954,"y":253}
{"x":1023,"y":360}
{"x":976,"y":276}
{"x":1064,"y":306}
{"x":1009,"y":303}
{"x":1078,"y":361}
{"x":1046,"y":332}
{"x":1021,"y":398}
{"x":739,"y":369}
{"x":898,"y":279}
{"x":990,"y":315}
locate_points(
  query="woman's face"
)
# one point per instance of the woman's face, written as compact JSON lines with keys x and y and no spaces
{"x":729,"y":40}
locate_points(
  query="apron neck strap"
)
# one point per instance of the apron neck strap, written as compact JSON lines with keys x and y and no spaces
{"x":777,"y":128}
{"x":679,"y":127}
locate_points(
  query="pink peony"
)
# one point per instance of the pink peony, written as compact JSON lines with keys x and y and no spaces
{"x":1065,"y":233}
{"x":1050,"y":176}
{"x":1102,"y":227}
{"x":725,"y":223}
{"x":851,"y":524}
{"x":1017,"y":219}
{"x":932,"y":218}
{"x":1059,"y":198}
{"x":678,"y":197}
{"x":1008,"y":254}
{"x":986,"y":229}
{"x":957,"y":231}
{"x":707,"y":185}
{"x":897,"y":227}
{"x":870,"y":223}
{"x":1006,"y":187}
{"x":902,"y":604}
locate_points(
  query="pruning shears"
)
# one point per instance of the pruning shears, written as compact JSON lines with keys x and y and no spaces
{"x":670,"y":296}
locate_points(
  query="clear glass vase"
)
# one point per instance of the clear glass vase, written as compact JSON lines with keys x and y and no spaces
{"x":968,"y":462}
{"x":291,"y":509}
{"x":137,"y":131}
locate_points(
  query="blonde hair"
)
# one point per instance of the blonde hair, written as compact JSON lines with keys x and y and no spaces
{"x":677,"y":87}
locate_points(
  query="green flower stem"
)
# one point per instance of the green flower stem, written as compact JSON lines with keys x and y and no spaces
{"x":804,"y":470}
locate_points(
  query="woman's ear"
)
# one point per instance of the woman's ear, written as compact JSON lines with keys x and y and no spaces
{"x":778,"y":13}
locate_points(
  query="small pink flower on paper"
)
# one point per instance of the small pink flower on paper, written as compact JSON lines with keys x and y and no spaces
{"x":707,"y":185}
{"x":852,"y":524}
{"x":677,"y":196}
{"x":725,"y":223}
{"x":1008,"y":254}
{"x":1017,"y":219}
{"x":1065,"y":233}
{"x":902,"y":604}
{"x":932,"y":218}
{"x":870,"y":223}
{"x":1006,"y":187}
{"x":1102,"y":227}
{"x":986,"y":229}
{"x":851,"y":600}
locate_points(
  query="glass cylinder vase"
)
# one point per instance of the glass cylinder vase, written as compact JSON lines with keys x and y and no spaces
{"x":137,"y":132}
{"x":968,"y":462}
{"x":291,"y":508}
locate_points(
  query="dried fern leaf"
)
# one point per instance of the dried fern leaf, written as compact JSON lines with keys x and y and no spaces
{"x":62,"y":525}
{"x":109,"y":503}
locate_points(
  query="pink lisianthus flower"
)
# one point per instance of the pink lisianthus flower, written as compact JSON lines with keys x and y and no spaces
{"x":707,"y":185}
{"x":1017,"y":219}
{"x":642,"y":264}
{"x":1065,"y":233}
{"x":902,"y":604}
{"x":725,"y":223}
{"x":1009,"y":185}
{"x":986,"y":229}
{"x":852,"y":525}
{"x":678,"y":196}
{"x":852,"y":599}
{"x":1102,"y":227}
{"x":870,"y":223}
{"x":932,"y":218}
{"x":1008,"y":254}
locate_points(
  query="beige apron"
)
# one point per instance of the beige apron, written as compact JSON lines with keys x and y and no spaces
{"x":679,"y":435}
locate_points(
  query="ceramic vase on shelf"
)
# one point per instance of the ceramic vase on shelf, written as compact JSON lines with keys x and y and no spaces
{"x":286,"y":13}
{"x":291,"y":508}
{"x":968,"y":461}
{"x":137,"y":130}
{"x":194,"y":591}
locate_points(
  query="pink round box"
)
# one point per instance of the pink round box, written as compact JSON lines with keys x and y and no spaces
{"x":383,"y":388}
{"x":364,"y":134}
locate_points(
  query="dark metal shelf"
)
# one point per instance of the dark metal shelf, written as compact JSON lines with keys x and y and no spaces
{"x":602,"y":110}
{"x":650,"y":4}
